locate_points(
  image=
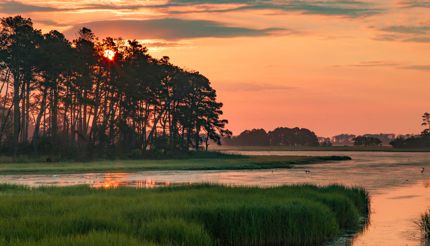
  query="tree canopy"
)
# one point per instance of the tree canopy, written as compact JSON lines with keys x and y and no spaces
{"x":281,"y":136}
{"x":367,"y":141}
{"x":419,"y":141}
{"x":66,"y":97}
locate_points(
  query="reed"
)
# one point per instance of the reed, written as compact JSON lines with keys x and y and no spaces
{"x":182,"y":215}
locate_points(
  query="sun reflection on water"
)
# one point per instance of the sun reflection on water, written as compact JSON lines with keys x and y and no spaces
{"x":115,"y":180}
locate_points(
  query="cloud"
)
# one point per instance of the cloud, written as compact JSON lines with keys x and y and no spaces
{"x":418,"y":67}
{"x":349,"y":8}
{"x":50,"y":23}
{"x":389,"y":64}
{"x":12,"y":7}
{"x":374,"y":64}
{"x":20,"y":7}
{"x":424,"y":39}
{"x":407,"y":29}
{"x":253,"y":87}
{"x":416,"y":4}
{"x":411,"y":33}
{"x":161,"y":44}
{"x":170,"y":29}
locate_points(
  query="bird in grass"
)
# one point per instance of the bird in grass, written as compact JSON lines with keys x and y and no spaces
{"x":307,"y":171}
{"x":422,"y":170}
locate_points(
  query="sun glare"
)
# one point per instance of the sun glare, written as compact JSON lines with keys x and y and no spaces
{"x":109,"y":54}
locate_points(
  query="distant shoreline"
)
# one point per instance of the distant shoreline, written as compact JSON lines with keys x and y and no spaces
{"x":233,"y":162}
{"x":320,"y":148}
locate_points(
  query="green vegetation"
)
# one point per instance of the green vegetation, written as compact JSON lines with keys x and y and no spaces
{"x":209,"y":161}
{"x":179,"y":215}
{"x":425,"y":225}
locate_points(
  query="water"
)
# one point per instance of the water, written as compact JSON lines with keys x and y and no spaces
{"x":400,"y":193}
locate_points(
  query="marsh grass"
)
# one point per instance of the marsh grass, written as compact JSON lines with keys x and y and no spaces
{"x":425,"y":226}
{"x":182,"y":215}
{"x":199,"y":161}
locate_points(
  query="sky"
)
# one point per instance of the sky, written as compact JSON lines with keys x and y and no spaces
{"x":333,"y":66}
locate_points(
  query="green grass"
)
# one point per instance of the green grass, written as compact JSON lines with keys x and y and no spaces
{"x":215,"y":162}
{"x":425,"y":226}
{"x":178,"y":215}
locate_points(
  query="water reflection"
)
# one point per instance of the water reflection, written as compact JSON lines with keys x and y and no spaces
{"x":400,"y":193}
{"x":115,"y":180}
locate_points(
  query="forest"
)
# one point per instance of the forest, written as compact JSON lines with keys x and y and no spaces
{"x":281,"y":136}
{"x":98,"y":98}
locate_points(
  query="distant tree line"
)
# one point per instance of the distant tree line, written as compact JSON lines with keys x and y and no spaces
{"x":419,"y":141}
{"x":367,"y":141}
{"x":282,"y":136}
{"x":350,"y":139}
{"x":98,"y":97}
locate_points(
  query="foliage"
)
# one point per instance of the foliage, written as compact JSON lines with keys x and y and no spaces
{"x":367,"y":141}
{"x":196,"y":161}
{"x":425,"y":225}
{"x":414,"y":142}
{"x":66,"y":98}
{"x":281,"y":136}
{"x":179,"y":215}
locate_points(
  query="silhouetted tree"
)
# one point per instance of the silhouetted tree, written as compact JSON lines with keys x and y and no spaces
{"x":426,"y":123}
{"x":18,"y":41}
{"x":282,"y":136}
{"x":254,"y":137}
{"x":367,"y":141}
{"x":419,"y":141}
{"x":285,"y":136}
{"x":77,"y":100}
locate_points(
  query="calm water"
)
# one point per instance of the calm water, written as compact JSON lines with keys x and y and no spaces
{"x":400,"y":193}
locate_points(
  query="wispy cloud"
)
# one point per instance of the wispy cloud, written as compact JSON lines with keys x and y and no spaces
{"x":407,"y":29}
{"x":171,"y":29}
{"x":11,"y":7}
{"x":22,"y":7}
{"x":405,"y":33}
{"x":374,"y":64}
{"x":388,"y":64}
{"x":418,"y":67}
{"x":416,"y":3}
{"x":253,"y":87}
{"x":348,"y":8}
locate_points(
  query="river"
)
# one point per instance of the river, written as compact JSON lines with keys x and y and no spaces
{"x":399,"y":190}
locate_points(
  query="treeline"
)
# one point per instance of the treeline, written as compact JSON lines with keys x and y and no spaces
{"x":281,"y":136}
{"x":414,"y":142}
{"x":96,"y":97}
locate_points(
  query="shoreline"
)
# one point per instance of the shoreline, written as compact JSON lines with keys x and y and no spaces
{"x":316,"y":149}
{"x":191,"y":164}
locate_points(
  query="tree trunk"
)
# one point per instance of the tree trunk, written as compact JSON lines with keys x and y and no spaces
{"x":16,"y":112}
{"x":38,"y":120}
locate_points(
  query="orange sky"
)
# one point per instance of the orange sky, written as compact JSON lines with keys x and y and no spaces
{"x":339,"y":66}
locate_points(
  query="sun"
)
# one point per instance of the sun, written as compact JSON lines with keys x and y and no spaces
{"x":109,"y":54}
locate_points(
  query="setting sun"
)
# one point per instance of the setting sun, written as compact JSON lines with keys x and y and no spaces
{"x":109,"y":54}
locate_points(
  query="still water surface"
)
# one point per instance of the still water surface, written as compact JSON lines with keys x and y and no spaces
{"x":400,"y":193}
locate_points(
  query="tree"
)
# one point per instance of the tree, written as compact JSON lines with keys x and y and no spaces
{"x":284,"y":136}
{"x":367,"y":141}
{"x":426,"y":123}
{"x":18,"y":41}
{"x":83,"y":103}
{"x":54,"y":64}
{"x":254,"y":137}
